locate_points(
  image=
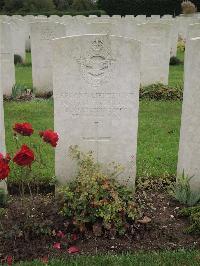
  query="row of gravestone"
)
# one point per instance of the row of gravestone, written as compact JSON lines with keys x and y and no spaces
{"x":96,"y":80}
{"x":158,"y":38}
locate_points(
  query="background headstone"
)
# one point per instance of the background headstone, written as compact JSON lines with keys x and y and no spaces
{"x":42,"y":33}
{"x":7,"y":68}
{"x":18,"y":28}
{"x":189,"y":147}
{"x":155,"y":55}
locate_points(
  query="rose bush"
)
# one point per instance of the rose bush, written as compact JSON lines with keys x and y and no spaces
{"x":24,"y":157}
{"x":25,"y":129}
{"x":49,"y":136}
{"x":4,"y":166}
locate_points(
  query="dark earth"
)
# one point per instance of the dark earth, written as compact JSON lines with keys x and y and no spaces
{"x":29,"y":229}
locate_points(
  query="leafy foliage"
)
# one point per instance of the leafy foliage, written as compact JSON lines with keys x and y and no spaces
{"x":181,"y":45}
{"x":18,"y":59}
{"x":182,"y":192}
{"x":29,"y":5}
{"x":161,"y":92}
{"x":95,"y":199}
{"x":194,"y":215}
{"x":80,"y":5}
{"x":188,"y":7}
{"x":19,"y":91}
{"x":174,"y":61}
{"x":46,"y":5}
{"x":138,"y":7}
{"x":155,"y":183}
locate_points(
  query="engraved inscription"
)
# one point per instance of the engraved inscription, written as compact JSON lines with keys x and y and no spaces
{"x":98,"y":139}
{"x":96,"y":64}
{"x":95,"y":104}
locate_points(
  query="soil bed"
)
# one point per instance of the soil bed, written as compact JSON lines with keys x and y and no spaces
{"x":165,"y":231}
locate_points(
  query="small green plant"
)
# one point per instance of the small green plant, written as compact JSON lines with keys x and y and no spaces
{"x":19,"y":91}
{"x":95,"y":199}
{"x":18,"y":59}
{"x":194,"y":215}
{"x":181,"y":45}
{"x":182,"y":192}
{"x":159,"y":91}
{"x":174,"y":61}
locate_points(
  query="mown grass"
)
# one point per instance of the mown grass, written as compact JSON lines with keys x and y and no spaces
{"x":159,"y":124}
{"x":176,"y":72}
{"x":23,"y":73}
{"x":158,"y":136}
{"x":186,"y":258}
{"x":40,"y":114}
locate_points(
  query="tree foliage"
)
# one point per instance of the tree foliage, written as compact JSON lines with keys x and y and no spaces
{"x":147,"y":7}
{"x":45,"y":5}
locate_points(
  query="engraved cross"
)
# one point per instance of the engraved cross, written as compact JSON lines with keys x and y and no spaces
{"x":98,"y":139}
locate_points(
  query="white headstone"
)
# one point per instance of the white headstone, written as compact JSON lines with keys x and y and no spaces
{"x":42,"y":33}
{"x":155,"y":55}
{"x":7,"y":68}
{"x":155,"y":18}
{"x":2,"y":81}
{"x":41,"y":17}
{"x":116,"y":17}
{"x":189,"y":147}
{"x":19,"y":37}
{"x":173,"y":34}
{"x":105,"y":16}
{"x":167,"y":17}
{"x":193,"y":31}
{"x":184,"y":22}
{"x":28,"y":19}
{"x":55,"y":18}
{"x":141,"y":18}
{"x":96,"y":99}
{"x":99,"y":28}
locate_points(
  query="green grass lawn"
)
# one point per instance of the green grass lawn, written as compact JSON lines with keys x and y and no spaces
{"x":24,"y":73}
{"x":180,"y":258}
{"x":176,"y":72}
{"x":158,"y":137}
{"x":159,"y":125}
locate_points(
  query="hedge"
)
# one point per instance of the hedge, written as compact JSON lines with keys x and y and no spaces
{"x":143,"y":7}
{"x":59,"y":13}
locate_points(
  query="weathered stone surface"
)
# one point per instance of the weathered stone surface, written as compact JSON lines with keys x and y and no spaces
{"x":2,"y":129}
{"x":42,"y":33}
{"x":7,"y":68}
{"x":189,"y":147}
{"x":18,"y":28}
{"x":96,"y":100}
{"x":193,"y":31}
{"x":155,"y":55}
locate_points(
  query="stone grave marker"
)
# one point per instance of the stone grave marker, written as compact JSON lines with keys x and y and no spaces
{"x":96,"y":101}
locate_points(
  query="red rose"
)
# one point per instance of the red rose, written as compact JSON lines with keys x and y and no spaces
{"x":50,"y":137}
{"x":73,"y":250}
{"x":10,"y":260}
{"x":4,"y":167}
{"x":24,"y":157}
{"x":25,"y":129}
